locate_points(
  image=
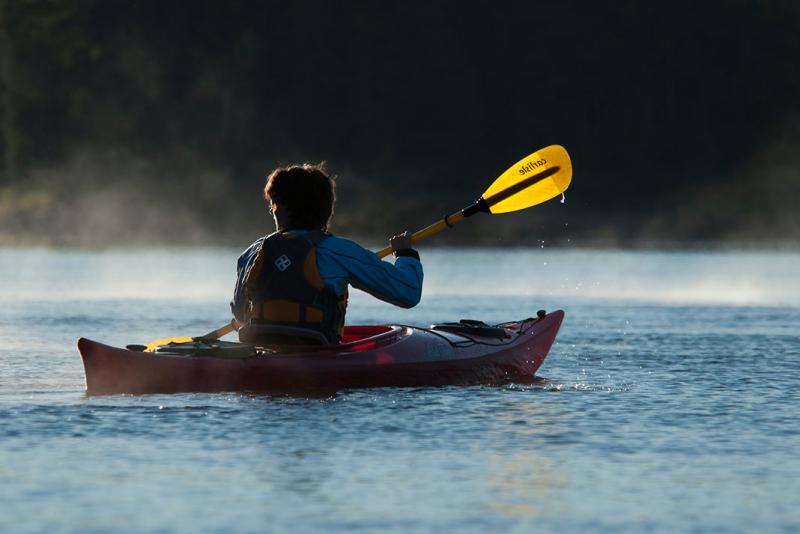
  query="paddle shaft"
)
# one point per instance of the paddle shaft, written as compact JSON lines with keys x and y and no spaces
{"x":483,"y":205}
{"x":446,"y":222}
{"x":219,"y":332}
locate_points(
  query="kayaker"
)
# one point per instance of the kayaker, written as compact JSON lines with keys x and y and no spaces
{"x":292,"y":285}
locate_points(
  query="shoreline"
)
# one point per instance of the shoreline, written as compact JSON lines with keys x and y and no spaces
{"x":788,"y":245}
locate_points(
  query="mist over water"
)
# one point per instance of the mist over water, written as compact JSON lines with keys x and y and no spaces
{"x":736,"y":278}
{"x":730,"y":277}
{"x":667,"y":403}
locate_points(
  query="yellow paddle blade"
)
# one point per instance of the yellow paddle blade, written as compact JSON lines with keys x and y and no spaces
{"x":211,"y":336}
{"x":532,"y":180}
{"x":151,"y":347}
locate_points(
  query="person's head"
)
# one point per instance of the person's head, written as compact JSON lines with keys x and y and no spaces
{"x":301,"y":197}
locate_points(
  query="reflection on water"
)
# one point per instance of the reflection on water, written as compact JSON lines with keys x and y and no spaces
{"x":522,"y":487}
{"x":523,"y":483}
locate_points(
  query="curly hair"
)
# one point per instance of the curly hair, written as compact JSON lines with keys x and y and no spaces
{"x":306,"y":191}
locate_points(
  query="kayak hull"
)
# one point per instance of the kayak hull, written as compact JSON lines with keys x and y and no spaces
{"x":399,"y":356}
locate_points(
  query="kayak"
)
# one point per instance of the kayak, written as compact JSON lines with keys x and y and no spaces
{"x":464,"y":353}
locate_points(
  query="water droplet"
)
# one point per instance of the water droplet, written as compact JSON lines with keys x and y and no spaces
{"x":563,"y":198}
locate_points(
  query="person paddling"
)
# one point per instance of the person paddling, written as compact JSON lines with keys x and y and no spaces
{"x":292,"y":285}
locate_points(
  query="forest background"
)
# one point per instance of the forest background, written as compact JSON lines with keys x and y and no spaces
{"x":155,"y":122}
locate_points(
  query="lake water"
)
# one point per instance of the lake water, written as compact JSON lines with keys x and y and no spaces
{"x":670,"y":403}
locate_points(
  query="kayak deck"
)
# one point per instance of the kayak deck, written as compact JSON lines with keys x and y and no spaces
{"x":370,"y":356}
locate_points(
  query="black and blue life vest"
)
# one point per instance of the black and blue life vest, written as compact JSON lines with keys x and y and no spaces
{"x":284,"y":287}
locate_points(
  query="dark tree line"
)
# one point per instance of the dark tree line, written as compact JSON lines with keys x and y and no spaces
{"x":681,"y":118}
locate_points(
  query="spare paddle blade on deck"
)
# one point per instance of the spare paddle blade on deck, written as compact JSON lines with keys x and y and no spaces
{"x":153,"y":345}
{"x":211,"y":336}
{"x":537,"y":178}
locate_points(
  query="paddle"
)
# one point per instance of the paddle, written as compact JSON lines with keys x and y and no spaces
{"x":532,"y":180}
{"x":211,"y":336}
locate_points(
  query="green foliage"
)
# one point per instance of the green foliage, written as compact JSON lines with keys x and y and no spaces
{"x":419,"y":104}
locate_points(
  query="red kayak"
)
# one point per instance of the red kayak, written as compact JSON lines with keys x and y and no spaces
{"x":462,"y":353}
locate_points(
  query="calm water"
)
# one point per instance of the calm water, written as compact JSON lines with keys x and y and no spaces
{"x":670,"y":403}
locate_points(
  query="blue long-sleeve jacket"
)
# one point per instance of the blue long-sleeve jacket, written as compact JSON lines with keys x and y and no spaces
{"x":342,"y":262}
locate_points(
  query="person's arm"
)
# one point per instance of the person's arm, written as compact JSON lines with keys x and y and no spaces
{"x":399,"y":283}
{"x":243,"y":266}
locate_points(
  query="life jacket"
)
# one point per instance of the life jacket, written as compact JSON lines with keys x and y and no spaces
{"x":284,"y":287}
